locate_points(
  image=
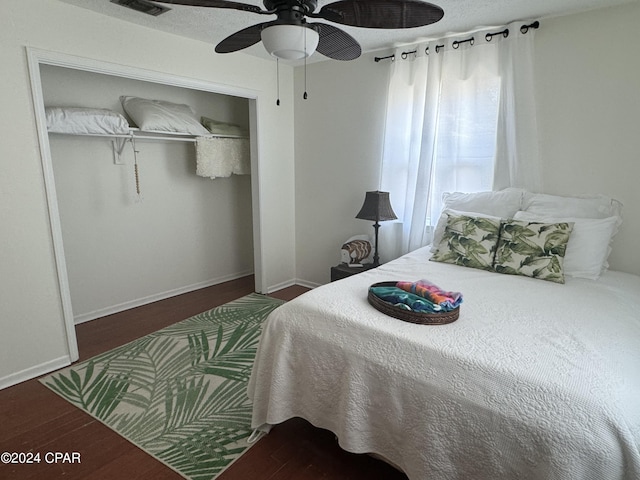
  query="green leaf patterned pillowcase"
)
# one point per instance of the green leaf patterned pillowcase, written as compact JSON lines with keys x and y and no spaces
{"x":533,"y":249}
{"x":469,"y":241}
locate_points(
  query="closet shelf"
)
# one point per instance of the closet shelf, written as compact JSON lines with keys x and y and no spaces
{"x":137,"y":134}
{"x":119,"y":140}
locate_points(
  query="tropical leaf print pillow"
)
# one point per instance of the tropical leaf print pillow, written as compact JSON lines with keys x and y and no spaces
{"x":469,"y":241}
{"x":533,"y":249}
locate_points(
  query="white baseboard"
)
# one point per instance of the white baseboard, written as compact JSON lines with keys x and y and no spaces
{"x":291,"y":283}
{"x":304,"y":283}
{"x":280,"y":286}
{"x":35,"y":371}
{"x":55,"y":364}
{"x":103,"y":312}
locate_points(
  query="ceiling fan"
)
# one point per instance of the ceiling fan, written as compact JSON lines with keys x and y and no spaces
{"x":291,"y":37}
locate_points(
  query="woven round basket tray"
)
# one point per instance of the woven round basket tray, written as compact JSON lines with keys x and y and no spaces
{"x":408,"y":315}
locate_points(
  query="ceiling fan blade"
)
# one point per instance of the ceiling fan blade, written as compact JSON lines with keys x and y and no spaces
{"x":217,"y":4}
{"x":241,"y":39}
{"x":335,"y":43}
{"x":381,"y":13}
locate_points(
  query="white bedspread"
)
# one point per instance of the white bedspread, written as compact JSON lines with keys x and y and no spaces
{"x":535,"y":380}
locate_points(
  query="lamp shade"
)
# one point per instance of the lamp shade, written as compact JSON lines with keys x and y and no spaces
{"x":290,"y":42}
{"x":376,"y":207}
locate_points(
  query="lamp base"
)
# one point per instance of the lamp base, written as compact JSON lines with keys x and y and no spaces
{"x":376,"y":257}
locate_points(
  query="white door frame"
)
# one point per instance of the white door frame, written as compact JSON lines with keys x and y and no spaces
{"x":37,"y":57}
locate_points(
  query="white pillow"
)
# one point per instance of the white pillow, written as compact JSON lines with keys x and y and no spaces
{"x":85,"y":121}
{"x":444,"y":218}
{"x":161,"y":116}
{"x":504,"y":203}
{"x":583,"y":206}
{"x":589,"y":245}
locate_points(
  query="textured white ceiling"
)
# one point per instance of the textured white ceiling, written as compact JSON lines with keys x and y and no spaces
{"x":211,"y":25}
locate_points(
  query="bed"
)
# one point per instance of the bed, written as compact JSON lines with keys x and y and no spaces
{"x":535,"y":380}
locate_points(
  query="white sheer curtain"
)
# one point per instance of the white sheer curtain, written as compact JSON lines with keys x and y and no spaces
{"x":460,"y":117}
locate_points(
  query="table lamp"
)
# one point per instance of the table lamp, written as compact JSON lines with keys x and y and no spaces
{"x":376,"y":208}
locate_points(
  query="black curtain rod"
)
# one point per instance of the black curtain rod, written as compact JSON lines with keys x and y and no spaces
{"x":392,"y":57}
{"x":525,"y":28}
{"x":406,"y":54}
{"x":456,"y":43}
{"x":489,"y":36}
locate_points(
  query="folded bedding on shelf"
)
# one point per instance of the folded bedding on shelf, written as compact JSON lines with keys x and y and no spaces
{"x":85,"y":121}
{"x":223,"y":128}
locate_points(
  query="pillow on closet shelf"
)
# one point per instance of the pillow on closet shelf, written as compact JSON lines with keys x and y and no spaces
{"x":533,"y":249}
{"x":222,"y":128}
{"x":160,"y":116}
{"x":85,"y":121}
{"x":581,"y":206}
{"x":589,"y":245}
{"x":468,"y":241}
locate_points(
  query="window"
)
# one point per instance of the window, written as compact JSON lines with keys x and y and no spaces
{"x":458,"y":119}
{"x":465,"y":145}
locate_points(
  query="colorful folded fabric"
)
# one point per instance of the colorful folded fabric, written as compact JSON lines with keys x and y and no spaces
{"x":428,"y":290}
{"x":405,"y":300}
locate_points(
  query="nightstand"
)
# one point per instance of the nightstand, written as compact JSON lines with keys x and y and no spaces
{"x":343,"y":270}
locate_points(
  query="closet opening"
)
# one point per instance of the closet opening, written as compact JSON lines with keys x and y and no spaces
{"x":136,"y":220}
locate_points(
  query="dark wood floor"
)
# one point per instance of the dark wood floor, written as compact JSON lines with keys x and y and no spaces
{"x":34,"y":419}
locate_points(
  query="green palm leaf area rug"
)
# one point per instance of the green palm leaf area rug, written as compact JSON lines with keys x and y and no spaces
{"x":178,"y":393}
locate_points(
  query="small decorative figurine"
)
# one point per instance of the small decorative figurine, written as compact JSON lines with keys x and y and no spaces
{"x":357,"y":250}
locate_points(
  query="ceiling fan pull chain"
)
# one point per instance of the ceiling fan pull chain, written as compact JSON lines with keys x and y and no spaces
{"x":305,"y":64}
{"x":305,"y":81}
{"x":278,"y":81}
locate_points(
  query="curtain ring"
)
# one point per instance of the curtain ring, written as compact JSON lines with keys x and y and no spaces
{"x":456,"y":43}
{"x":426,"y":51}
{"x":404,"y":55}
{"x":525,"y":28}
{"x":489,"y":36}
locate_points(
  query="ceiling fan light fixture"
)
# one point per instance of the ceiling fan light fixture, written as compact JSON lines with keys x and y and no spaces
{"x":290,"y":42}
